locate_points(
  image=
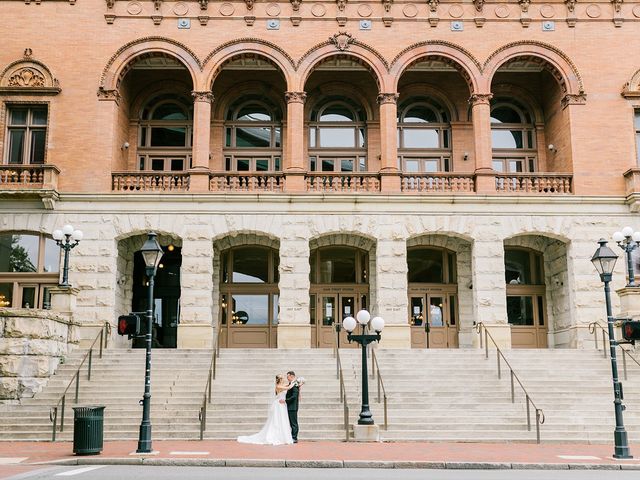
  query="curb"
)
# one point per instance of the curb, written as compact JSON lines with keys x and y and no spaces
{"x":282,"y":463}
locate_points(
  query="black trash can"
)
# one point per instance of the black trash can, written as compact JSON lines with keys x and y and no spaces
{"x":88,"y":430}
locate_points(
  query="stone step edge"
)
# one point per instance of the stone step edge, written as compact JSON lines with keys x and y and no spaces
{"x":311,"y":463}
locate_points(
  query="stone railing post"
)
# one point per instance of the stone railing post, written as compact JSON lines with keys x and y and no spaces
{"x":296,"y":165}
{"x":389,"y":173}
{"x":199,"y":181}
{"x":481,"y":117}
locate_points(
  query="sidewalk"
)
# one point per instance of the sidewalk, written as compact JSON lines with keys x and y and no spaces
{"x":330,"y":455}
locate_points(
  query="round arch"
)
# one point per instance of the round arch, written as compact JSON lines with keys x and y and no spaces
{"x":427,"y":90}
{"x":459,"y":58}
{"x":248,"y":88}
{"x":237,"y":239}
{"x":346,"y":239}
{"x":338,"y":88}
{"x":120,"y":63}
{"x":155,"y":89}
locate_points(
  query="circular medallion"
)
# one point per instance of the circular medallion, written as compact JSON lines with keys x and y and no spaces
{"x":364,"y":10}
{"x":593,"y":11}
{"x":636,"y":11}
{"x":318,"y":10}
{"x":180,"y":8}
{"x":273,"y":9}
{"x":410,"y":10}
{"x":226,"y":9}
{"x":502,"y":11}
{"x":456,"y":11}
{"x":547,"y":11}
{"x":134,"y":8}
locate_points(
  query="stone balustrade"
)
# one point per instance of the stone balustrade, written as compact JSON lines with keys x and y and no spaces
{"x":28,"y":176}
{"x":534,"y":183}
{"x":132,"y":182}
{"x":246,"y":182}
{"x":437,"y":183}
{"x":342,"y":182}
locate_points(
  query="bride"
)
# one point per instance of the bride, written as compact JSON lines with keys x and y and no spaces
{"x":276,"y":430}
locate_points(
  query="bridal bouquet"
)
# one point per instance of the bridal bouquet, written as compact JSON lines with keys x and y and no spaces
{"x":300,"y":381}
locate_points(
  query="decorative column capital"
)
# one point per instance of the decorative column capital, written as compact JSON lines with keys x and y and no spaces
{"x":108,"y":95}
{"x":388,"y":98}
{"x":480,"y":99}
{"x":573,"y":99}
{"x":206,"y":96}
{"x":295,"y":97}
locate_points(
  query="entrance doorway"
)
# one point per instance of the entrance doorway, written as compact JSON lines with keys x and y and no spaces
{"x":166,"y":297}
{"x":328,"y":308}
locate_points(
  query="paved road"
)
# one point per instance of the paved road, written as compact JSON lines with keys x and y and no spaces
{"x":211,"y":473}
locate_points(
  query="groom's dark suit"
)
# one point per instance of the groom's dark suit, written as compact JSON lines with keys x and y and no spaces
{"x":292,"y":409}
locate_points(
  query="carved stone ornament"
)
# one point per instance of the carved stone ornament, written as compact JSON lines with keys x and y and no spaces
{"x":387,"y":98}
{"x":249,"y":4}
{"x":205,"y":96}
{"x":295,"y":4}
{"x":110,"y":4}
{"x":433,"y":5}
{"x":573,"y":99}
{"x":342,"y":4}
{"x":204,"y":4}
{"x":571,"y":5}
{"x":108,"y":95}
{"x":387,"y":5}
{"x":295,"y":97}
{"x":480,"y":99}
{"x":617,"y":5}
{"x":157,"y":4}
{"x":342,"y":40}
{"x":524,"y":5}
{"x":479,"y":4}
{"x":28,"y":76}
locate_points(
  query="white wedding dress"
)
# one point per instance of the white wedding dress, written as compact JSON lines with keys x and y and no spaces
{"x":276,"y":430}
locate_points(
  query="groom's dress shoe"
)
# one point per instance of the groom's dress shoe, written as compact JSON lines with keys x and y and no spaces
{"x":295,"y":440}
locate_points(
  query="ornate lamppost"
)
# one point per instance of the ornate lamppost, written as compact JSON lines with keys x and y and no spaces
{"x":151,"y":253}
{"x":66,"y":239}
{"x":605,"y":260}
{"x":628,"y":241}
{"x":364,"y":339}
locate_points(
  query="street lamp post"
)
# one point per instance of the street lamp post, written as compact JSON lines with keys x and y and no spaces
{"x":151,"y":253}
{"x":604,"y":259}
{"x":364,"y":339}
{"x":628,"y":241}
{"x":66,"y":239}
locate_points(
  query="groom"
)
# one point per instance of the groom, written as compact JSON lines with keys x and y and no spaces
{"x":293,"y":395}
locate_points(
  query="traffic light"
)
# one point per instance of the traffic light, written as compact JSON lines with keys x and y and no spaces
{"x":631,"y":330}
{"x":129,"y":324}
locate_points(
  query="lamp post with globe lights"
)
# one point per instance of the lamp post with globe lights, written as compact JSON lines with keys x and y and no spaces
{"x":376,"y":324}
{"x":66,"y":239}
{"x":604,"y":259}
{"x":628,"y":241}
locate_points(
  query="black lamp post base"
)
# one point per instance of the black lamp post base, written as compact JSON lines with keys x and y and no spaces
{"x":621,"y":445}
{"x":366,"y":418}
{"x":144,"y":444}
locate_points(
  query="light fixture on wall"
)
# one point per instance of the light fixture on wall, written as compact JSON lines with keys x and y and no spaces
{"x":465,"y":156}
{"x":125,"y":146}
{"x":552,"y":148}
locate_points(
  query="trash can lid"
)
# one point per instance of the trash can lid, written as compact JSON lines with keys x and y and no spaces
{"x":94,"y":407}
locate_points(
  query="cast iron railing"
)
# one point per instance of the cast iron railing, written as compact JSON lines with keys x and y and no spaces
{"x":206,"y":396}
{"x":343,"y":390}
{"x":375,"y":372}
{"x":593,"y":326}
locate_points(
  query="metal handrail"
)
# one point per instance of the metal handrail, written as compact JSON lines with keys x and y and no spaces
{"x":105,"y":331}
{"x":375,"y":372}
{"x":206,"y":396}
{"x":514,"y":378}
{"x":343,"y":390}
{"x":605,"y":333}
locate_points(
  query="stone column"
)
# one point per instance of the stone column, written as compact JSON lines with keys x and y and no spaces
{"x":107,"y":118}
{"x":481,"y":117}
{"x":489,"y":288}
{"x":390,"y":177}
{"x":391,"y":301}
{"x":199,"y":181}
{"x":294,"y":329}
{"x":196,"y":301}
{"x":296,"y":165}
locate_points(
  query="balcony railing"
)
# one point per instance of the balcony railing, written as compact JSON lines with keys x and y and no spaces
{"x":132,"y":182}
{"x":28,"y":176}
{"x":342,"y":182}
{"x":535,"y":183}
{"x":246,"y":182}
{"x":437,"y":182}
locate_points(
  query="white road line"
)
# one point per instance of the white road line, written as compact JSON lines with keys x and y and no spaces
{"x":188,"y":453}
{"x":78,"y":471}
{"x":578,"y":457}
{"x":11,"y":460}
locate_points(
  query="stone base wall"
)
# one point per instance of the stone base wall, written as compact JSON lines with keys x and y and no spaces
{"x":32,"y":345}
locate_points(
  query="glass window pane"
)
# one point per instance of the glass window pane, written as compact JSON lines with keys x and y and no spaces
{"x":312,"y":309}
{"x":506,"y":139}
{"x":421,"y":114}
{"x":517,"y":265}
{"x":337,"y":265}
{"x":227,"y":142}
{"x":445,"y":139}
{"x":18,"y":116}
{"x":329,"y":310}
{"x":6,"y":294}
{"x":157,"y":164}
{"x":436,"y":316}
{"x":425,"y":265}
{"x":362,"y":164}
{"x":431,"y":165}
{"x":276,"y":164}
{"x":346,"y":165}
{"x":447,"y":166}
{"x":169,"y":111}
{"x":452,"y":310}
{"x":337,"y":137}
{"x":250,"y":265}
{"x":29,"y":297}
{"x":257,"y":137}
{"x":636,"y":119}
{"x":275,"y":313}
{"x":250,"y":309}
{"x":223,"y":309}
{"x":142,"y":141}
{"x":19,"y":253}
{"x":520,"y":310}
{"x":421,"y":138}
{"x":338,"y":113}
{"x":278,"y":132}
{"x":540,"y":310}
{"x":244,"y":165}
{"x":262,"y":165}
{"x":168,"y":137}
{"x":141,"y":163}
{"x":505,"y":114}
{"x":312,"y":137}
{"x":361,"y":138}
{"x":16,"y":146}
{"x":46,"y":298}
{"x":312,"y":164}
{"x":37,"y":146}
{"x":498,"y":165}
{"x":39,"y":116}
{"x":51,"y":256}
{"x":227,"y":163}
{"x":253,"y":113}
{"x":328,"y":165}
{"x":515,"y":166}
{"x":177,"y":164}
{"x":412,"y":166}
{"x":417,"y":309}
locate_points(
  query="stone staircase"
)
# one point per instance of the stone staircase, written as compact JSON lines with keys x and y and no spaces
{"x":117,"y":381}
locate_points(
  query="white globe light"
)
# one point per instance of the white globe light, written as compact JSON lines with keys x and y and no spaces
{"x":627,"y":231}
{"x":363,"y":317}
{"x":349,"y":324}
{"x":618,"y":237}
{"x":377,"y":323}
{"x":636,"y":236}
{"x":57,"y":235}
{"x":77,"y":235}
{"x":67,"y":229}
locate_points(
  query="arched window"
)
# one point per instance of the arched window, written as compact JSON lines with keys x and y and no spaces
{"x":253,"y":136}
{"x":512,"y":137}
{"x":424,"y":136}
{"x":337,"y":137}
{"x":29,"y":266}
{"x":165,"y":135}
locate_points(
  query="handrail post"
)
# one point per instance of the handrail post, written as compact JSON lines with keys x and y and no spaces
{"x":537,"y":425}
{"x":77,"y":385}
{"x":209,"y":389}
{"x":55,"y":422}
{"x":480,"y":335}
{"x":595,"y":335}
{"x":385,"y":413}
{"x":101,"y":340}
{"x":624,"y":362}
{"x":529,"y":414}
{"x":604,"y":350}
{"x":378,"y":388}
{"x":89,"y":366}
{"x":64,"y":400}
{"x":373,"y":361}
{"x":513,"y":393}
{"x":498,"y":357}
{"x":486,"y":344}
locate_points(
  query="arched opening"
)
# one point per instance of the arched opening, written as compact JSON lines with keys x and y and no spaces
{"x":513,"y":137}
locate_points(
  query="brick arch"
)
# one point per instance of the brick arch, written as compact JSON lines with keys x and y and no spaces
{"x":345,"y":239}
{"x":459,"y":58}
{"x":121,"y":61}
{"x":226,"y":52}
{"x":428,"y":90}
{"x":556,"y":62}
{"x":236,"y":239}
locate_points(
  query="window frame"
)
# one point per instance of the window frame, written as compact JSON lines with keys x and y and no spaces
{"x":29,"y":128}
{"x":528,"y":154}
